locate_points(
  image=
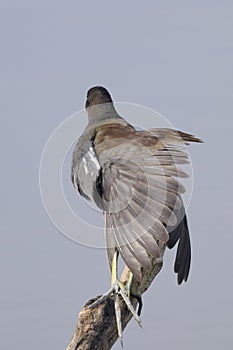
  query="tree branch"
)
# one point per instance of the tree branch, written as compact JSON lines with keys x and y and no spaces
{"x":96,"y":328}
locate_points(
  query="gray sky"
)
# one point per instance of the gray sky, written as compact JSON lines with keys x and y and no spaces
{"x":173,"y":56}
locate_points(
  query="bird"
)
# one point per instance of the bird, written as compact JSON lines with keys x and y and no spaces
{"x":133,"y":176}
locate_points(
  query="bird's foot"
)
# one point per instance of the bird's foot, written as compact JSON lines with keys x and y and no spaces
{"x":134,"y":295}
{"x":118,"y":290}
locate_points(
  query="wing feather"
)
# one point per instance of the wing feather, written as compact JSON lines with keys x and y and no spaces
{"x":125,"y":251}
{"x":143,"y":202}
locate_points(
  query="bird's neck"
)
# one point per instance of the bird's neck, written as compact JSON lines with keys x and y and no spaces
{"x":102,"y":113}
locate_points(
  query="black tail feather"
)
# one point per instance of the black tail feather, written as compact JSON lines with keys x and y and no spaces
{"x":183,"y":256}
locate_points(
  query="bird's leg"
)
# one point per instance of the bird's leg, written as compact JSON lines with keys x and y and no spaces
{"x":119,"y":289}
{"x":130,"y":293}
{"x":113,"y":284}
{"x":129,"y":284}
{"x":116,"y":292}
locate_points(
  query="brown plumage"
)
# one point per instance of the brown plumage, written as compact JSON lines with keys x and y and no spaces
{"x":133,"y":176}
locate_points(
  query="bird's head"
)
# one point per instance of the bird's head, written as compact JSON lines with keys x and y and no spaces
{"x":99,"y":105}
{"x":97,"y":95}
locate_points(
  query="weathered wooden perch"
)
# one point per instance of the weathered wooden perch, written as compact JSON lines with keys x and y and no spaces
{"x":96,"y":328}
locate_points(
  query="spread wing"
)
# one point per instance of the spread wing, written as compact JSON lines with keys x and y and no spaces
{"x":141,"y":197}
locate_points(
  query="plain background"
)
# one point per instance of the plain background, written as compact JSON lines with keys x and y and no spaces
{"x":173,"y":56}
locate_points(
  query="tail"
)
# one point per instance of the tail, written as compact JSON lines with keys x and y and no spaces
{"x":183,"y":255}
